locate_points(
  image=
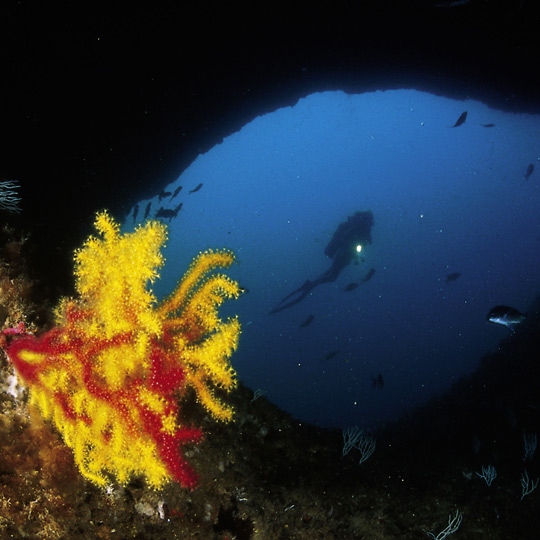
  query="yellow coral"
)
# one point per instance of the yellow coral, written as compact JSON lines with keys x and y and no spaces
{"x":110,"y":374}
{"x":113,"y":274}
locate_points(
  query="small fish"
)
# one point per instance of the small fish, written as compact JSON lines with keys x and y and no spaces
{"x":452,"y":277}
{"x":461,"y":120}
{"x":330,"y":355}
{"x":488,"y":125}
{"x":135,"y":212}
{"x":350,"y":287}
{"x":307,"y":322}
{"x":165,"y":213}
{"x":168,"y":213}
{"x":369,"y":275}
{"x":507,"y":316}
{"x":163,"y":194}
{"x":196,"y":189}
{"x":176,"y":192}
{"x":378,"y":381}
{"x":530,"y":170}
{"x":147,"y":211}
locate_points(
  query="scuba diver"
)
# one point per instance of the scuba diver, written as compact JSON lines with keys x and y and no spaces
{"x":347,"y":242}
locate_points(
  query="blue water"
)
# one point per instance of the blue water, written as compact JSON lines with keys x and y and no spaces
{"x":444,"y":200}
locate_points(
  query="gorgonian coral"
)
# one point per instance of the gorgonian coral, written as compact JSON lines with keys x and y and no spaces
{"x":111,"y":372}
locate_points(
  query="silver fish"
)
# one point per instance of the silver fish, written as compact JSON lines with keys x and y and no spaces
{"x":507,"y":316}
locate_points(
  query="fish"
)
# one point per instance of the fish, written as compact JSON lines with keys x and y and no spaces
{"x":135,"y":212}
{"x":330,"y":355}
{"x":488,"y":125}
{"x":530,"y":170}
{"x":506,"y":316}
{"x":369,"y":275}
{"x":452,"y":277}
{"x":176,"y":192}
{"x":353,"y":285}
{"x":461,"y":120}
{"x":350,"y":287}
{"x":307,"y":322}
{"x":168,"y":213}
{"x":163,"y":194}
{"x":196,"y":189}
{"x":147,"y":210}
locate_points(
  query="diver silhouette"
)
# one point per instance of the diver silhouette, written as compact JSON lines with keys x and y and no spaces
{"x":343,"y":248}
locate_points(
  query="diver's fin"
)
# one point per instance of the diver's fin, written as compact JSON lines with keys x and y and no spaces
{"x":299,"y":295}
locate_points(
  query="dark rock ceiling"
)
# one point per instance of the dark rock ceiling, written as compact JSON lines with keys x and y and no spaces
{"x":100,"y":106}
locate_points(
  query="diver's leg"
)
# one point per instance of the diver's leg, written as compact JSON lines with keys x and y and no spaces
{"x":297,"y":295}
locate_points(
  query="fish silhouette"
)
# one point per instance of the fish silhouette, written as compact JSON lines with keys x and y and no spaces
{"x":307,"y":322}
{"x":163,"y":194}
{"x":176,"y":192}
{"x":452,"y":277}
{"x":461,"y":120}
{"x":168,"y":213}
{"x":350,"y":287}
{"x":147,"y":210}
{"x":369,"y":275}
{"x":330,"y":355}
{"x":196,"y":189}
{"x":529,"y":171}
